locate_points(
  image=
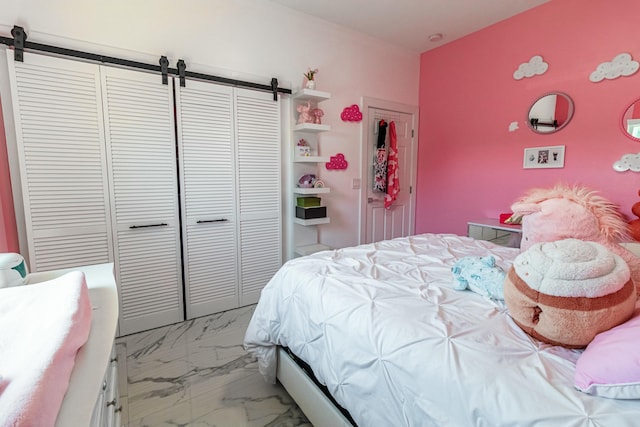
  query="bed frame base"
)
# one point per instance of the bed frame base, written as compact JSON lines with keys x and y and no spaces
{"x":316,"y":406}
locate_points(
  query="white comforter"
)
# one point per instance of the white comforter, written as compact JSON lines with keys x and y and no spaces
{"x":396,"y":345}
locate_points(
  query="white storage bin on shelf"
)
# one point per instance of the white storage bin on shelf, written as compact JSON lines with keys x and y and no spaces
{"x":305,"y":233}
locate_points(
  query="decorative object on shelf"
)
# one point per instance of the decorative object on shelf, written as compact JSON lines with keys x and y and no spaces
{"x":318,"y":184}
{"x":337,"y":162}
{"x":535,"y":67}
{"x":544,"y":157}
{"x":302,"y":148}
{"x":310,"y":75}
{"x":304,"y":115}
{"x":351,"y":114}
{"x":317,"y":114}
{"x":307,"y":180}
{"x":621,"y":65}
{"x":628,"y":162}
{"x":550,"y":113}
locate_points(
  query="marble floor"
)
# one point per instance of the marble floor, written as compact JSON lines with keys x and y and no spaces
{"x":196,"y":373}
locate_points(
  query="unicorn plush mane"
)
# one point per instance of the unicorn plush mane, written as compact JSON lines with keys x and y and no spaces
{"x":612,"y":226}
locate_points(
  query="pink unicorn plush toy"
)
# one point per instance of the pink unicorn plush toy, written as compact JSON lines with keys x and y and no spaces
{"x":564,"y":212}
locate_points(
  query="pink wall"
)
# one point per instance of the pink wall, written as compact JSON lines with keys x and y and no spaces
{"x":8,"y":233}
{"x":470,"y":165}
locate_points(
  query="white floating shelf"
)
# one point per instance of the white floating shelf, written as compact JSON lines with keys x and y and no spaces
{"x":311,"y":128}
{"x":305,"y":94}
{"x":310,"y":159}
{"x":313,"y":190}
{"x":311,"y":249}
{"x":314,"y":221}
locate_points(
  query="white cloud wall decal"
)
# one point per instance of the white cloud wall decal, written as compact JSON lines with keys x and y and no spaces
{"x":622,"y":65}
{"x":534,"y":67}
{"x":628,"y":162}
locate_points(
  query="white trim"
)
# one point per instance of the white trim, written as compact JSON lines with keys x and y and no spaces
{"x":368,"y":102}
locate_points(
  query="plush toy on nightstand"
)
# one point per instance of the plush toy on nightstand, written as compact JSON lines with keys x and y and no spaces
{"x":563,"y":212}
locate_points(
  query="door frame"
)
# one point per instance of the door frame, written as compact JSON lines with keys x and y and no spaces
{"x":382,"y":104}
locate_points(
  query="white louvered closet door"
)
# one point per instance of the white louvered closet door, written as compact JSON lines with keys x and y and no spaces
{"x":207,"y":169}
{"x":259,"y":190}
{"x":57,"y":109}
{"x":140,"y":136}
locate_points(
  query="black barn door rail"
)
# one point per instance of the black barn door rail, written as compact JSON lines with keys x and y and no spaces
{"x":19,"y":43}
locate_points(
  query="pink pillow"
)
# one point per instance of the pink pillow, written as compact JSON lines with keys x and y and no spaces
{"x":610,"y":365}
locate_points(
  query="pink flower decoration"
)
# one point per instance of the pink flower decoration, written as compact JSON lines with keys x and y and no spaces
{"x":337,"y":162}
{"x":351,"y":114}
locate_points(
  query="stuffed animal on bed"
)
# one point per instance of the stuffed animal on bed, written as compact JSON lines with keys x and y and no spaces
{"x":562,"y":212}
{"x":480,"y":275}
{"x":566,"y":292}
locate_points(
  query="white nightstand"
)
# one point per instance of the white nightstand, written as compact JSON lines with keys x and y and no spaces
{"x":491,"y":229}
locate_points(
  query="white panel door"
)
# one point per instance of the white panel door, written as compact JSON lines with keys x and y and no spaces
{"x":57,"y":108}
{"x":141,"y":155}
{"x":259,"y":190}
{"x":383,"y":223}
{"x":207,"y":170}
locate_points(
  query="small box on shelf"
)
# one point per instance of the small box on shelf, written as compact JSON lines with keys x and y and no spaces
{"x":311,"y":212}
{"x":306,"y":202}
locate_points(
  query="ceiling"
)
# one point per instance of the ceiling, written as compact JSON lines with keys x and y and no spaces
{"x":409,"y":23}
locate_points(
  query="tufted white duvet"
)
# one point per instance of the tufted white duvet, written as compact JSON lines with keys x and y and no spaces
{"x":396,"y":345}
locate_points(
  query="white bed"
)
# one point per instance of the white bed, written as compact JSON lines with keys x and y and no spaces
{"x":395,"y":344}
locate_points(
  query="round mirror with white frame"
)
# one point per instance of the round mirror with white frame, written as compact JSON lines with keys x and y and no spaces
{"x":630,"y":120}
{"x":550,"y":113}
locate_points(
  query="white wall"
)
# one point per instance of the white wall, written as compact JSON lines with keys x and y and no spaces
{"x":244,"y":39}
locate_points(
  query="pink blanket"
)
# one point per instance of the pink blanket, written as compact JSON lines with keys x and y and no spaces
{"x":42,"y":326}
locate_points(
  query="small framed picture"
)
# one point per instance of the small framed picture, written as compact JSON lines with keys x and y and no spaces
{"x":544,"y":157}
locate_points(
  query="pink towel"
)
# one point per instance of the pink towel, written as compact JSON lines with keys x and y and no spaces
{"x":393,"y":174}
{"x":42,"y":327}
